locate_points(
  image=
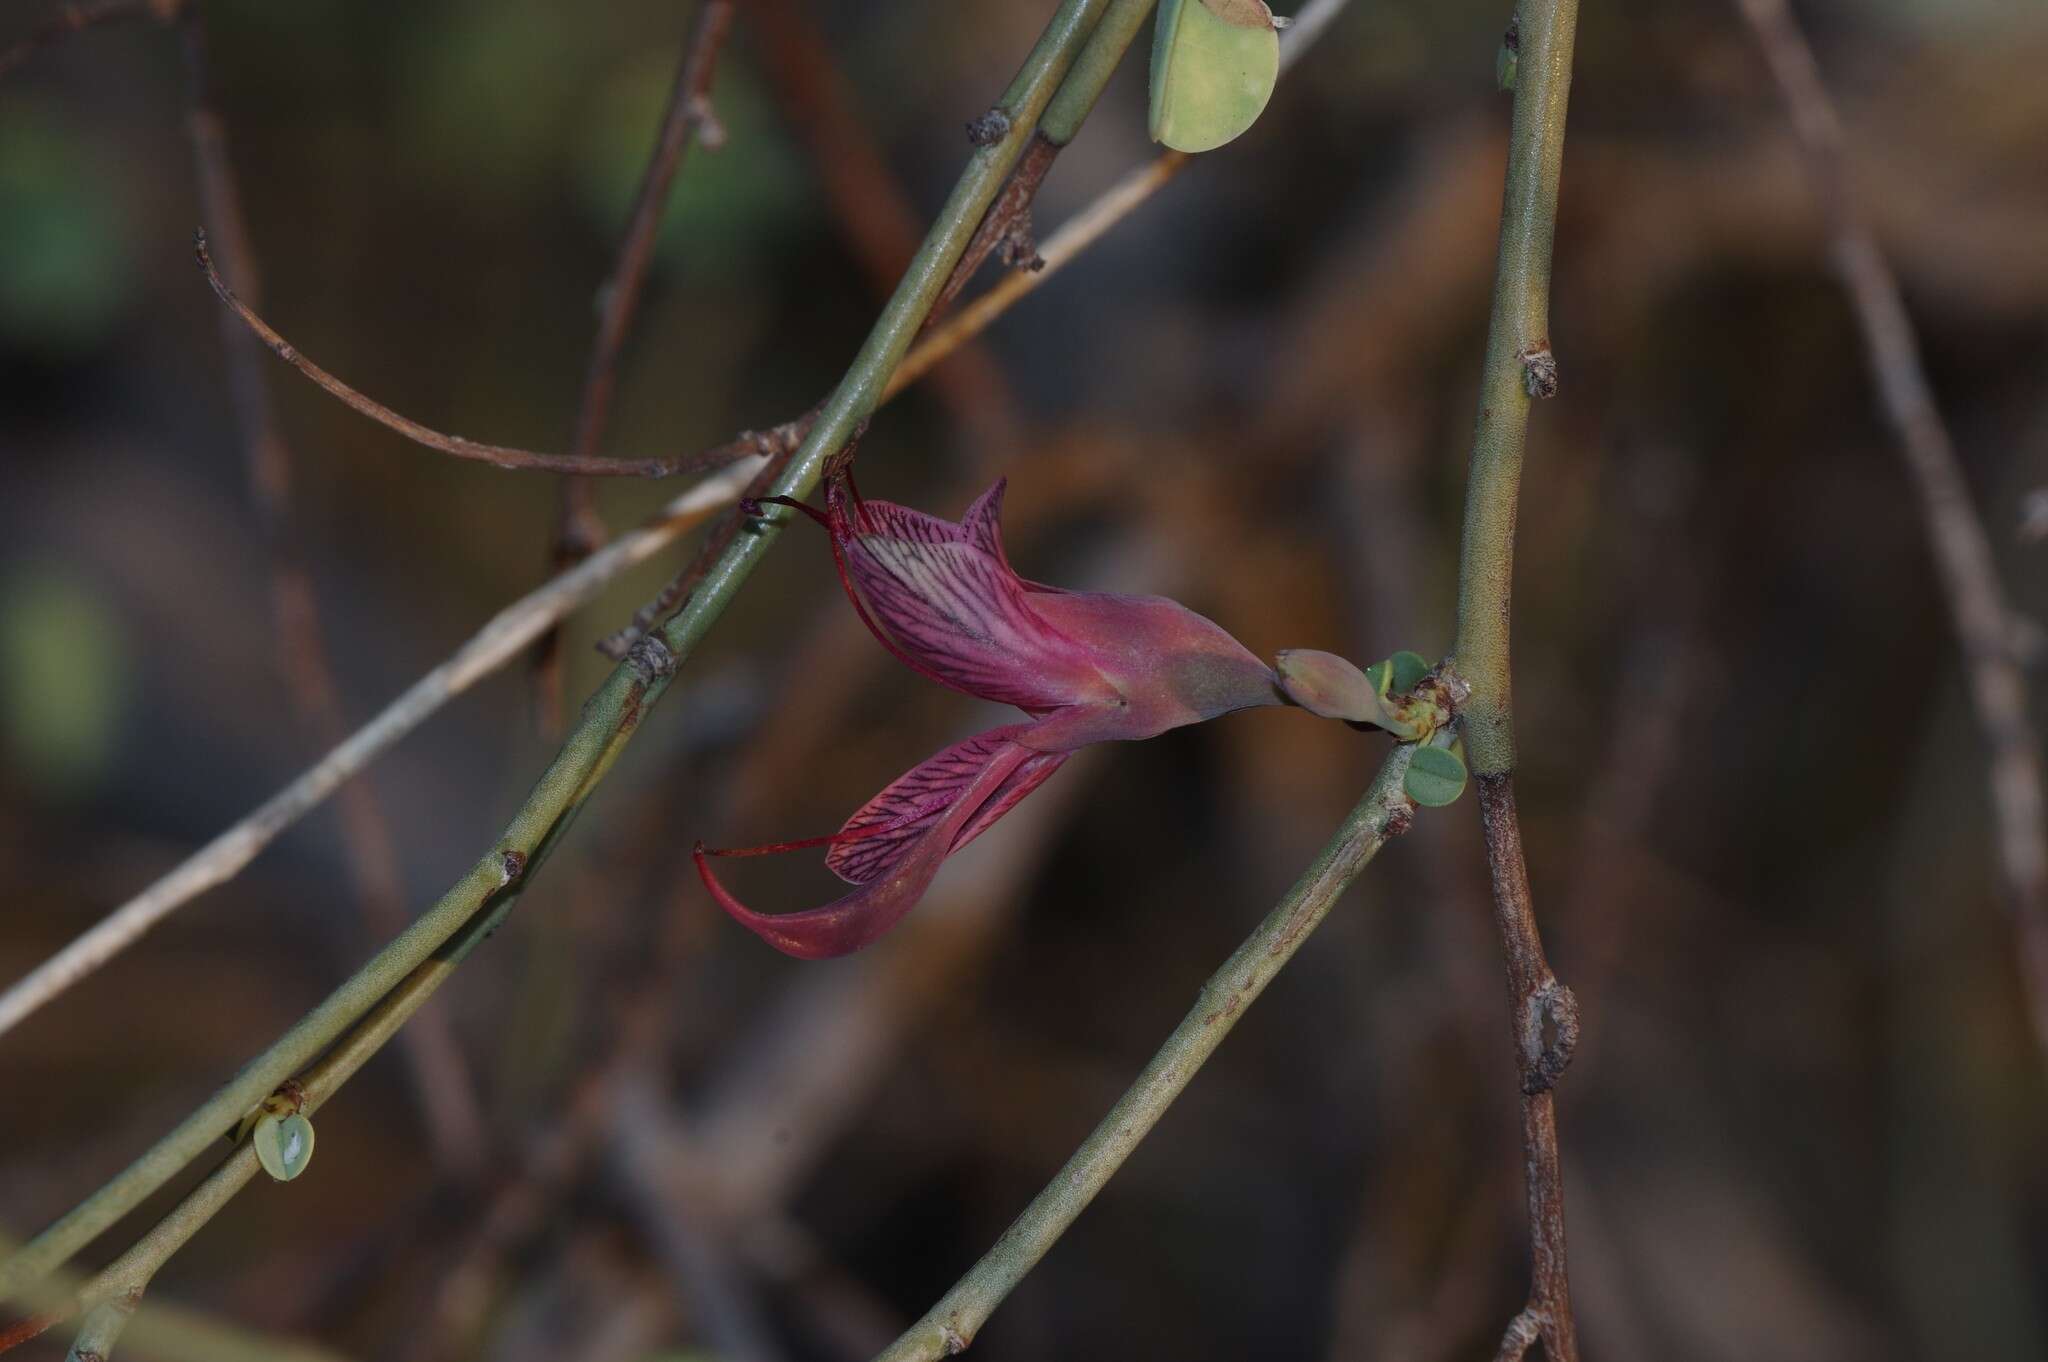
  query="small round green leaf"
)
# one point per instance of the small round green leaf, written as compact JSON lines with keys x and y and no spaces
{"x":1214,"y":65}
{"x":1407,"y":669}
{"x":284,"y":1145}
{"x":1435,"y":777}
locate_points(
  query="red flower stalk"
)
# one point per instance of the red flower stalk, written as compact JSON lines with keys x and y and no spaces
{"x":1085,"y":666}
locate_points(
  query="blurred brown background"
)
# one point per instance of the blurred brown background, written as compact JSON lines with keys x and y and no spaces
{"x":1806,"y":1122}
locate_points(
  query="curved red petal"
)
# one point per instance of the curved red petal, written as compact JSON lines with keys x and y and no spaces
{"x":849,"y":923}
{"x":882,"y":830}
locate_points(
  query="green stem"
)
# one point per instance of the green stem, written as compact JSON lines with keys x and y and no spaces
{"x":1519,"y":366}
{"x":1098,"y":61}
{"x":127,"y":1277}
{"x":612,"y":714}
{"x":130,"y":1274}
{"x":1383,"y":813}
{"x":1518,"y":359}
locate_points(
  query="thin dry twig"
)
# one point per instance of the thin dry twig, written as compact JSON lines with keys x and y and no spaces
{"x":440,"y":1077}
{"x":1053,"y":254}
{"x":579,"y":530}
{"x":69,"y":19}
{"x":1962,"y":548}
{"x":500,"y":640}
{"x":498,"y":456}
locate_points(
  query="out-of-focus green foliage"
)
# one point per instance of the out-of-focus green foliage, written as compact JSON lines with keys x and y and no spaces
{"x":64,"y":671}
{"x":732,"y":208}
{"x":66,"y":271}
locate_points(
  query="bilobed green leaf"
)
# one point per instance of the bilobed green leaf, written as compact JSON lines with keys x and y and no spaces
{"x":1214,"y":65}
{"x":284,"y":1144}
{"x":1436,"y":777}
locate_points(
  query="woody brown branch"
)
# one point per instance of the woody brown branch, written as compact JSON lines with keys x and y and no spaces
{"x":1545,"y":1019}
{"x":579,"y":531}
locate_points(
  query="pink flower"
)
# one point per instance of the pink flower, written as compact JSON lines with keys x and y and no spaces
{"x":1085,"y":666}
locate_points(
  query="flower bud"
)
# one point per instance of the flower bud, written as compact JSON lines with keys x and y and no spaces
{"x":1325,"y":684}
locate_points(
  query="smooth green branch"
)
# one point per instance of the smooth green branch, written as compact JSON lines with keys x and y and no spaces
{"x":1382,"y":814}
{"x":1519,"y":366}
{"x":611,"y":715}
{"x":1098,"y":61}
{"x":164,"y":1331}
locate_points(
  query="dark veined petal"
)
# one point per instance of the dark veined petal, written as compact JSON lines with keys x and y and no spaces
{"x":884,"y":828}
{"x":950,"y":605}
{"x":856,"y":920}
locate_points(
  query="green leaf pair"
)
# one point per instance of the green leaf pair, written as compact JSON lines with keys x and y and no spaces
{"x":1399,"y":674}
{"x":1435,"y":777}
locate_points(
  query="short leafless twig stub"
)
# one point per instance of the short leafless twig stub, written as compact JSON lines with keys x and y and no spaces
{"x":1007,"y":226}
{"x":503,"y":637}
{"x":1962,"y":547}
{"x":1520,"y":1336}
